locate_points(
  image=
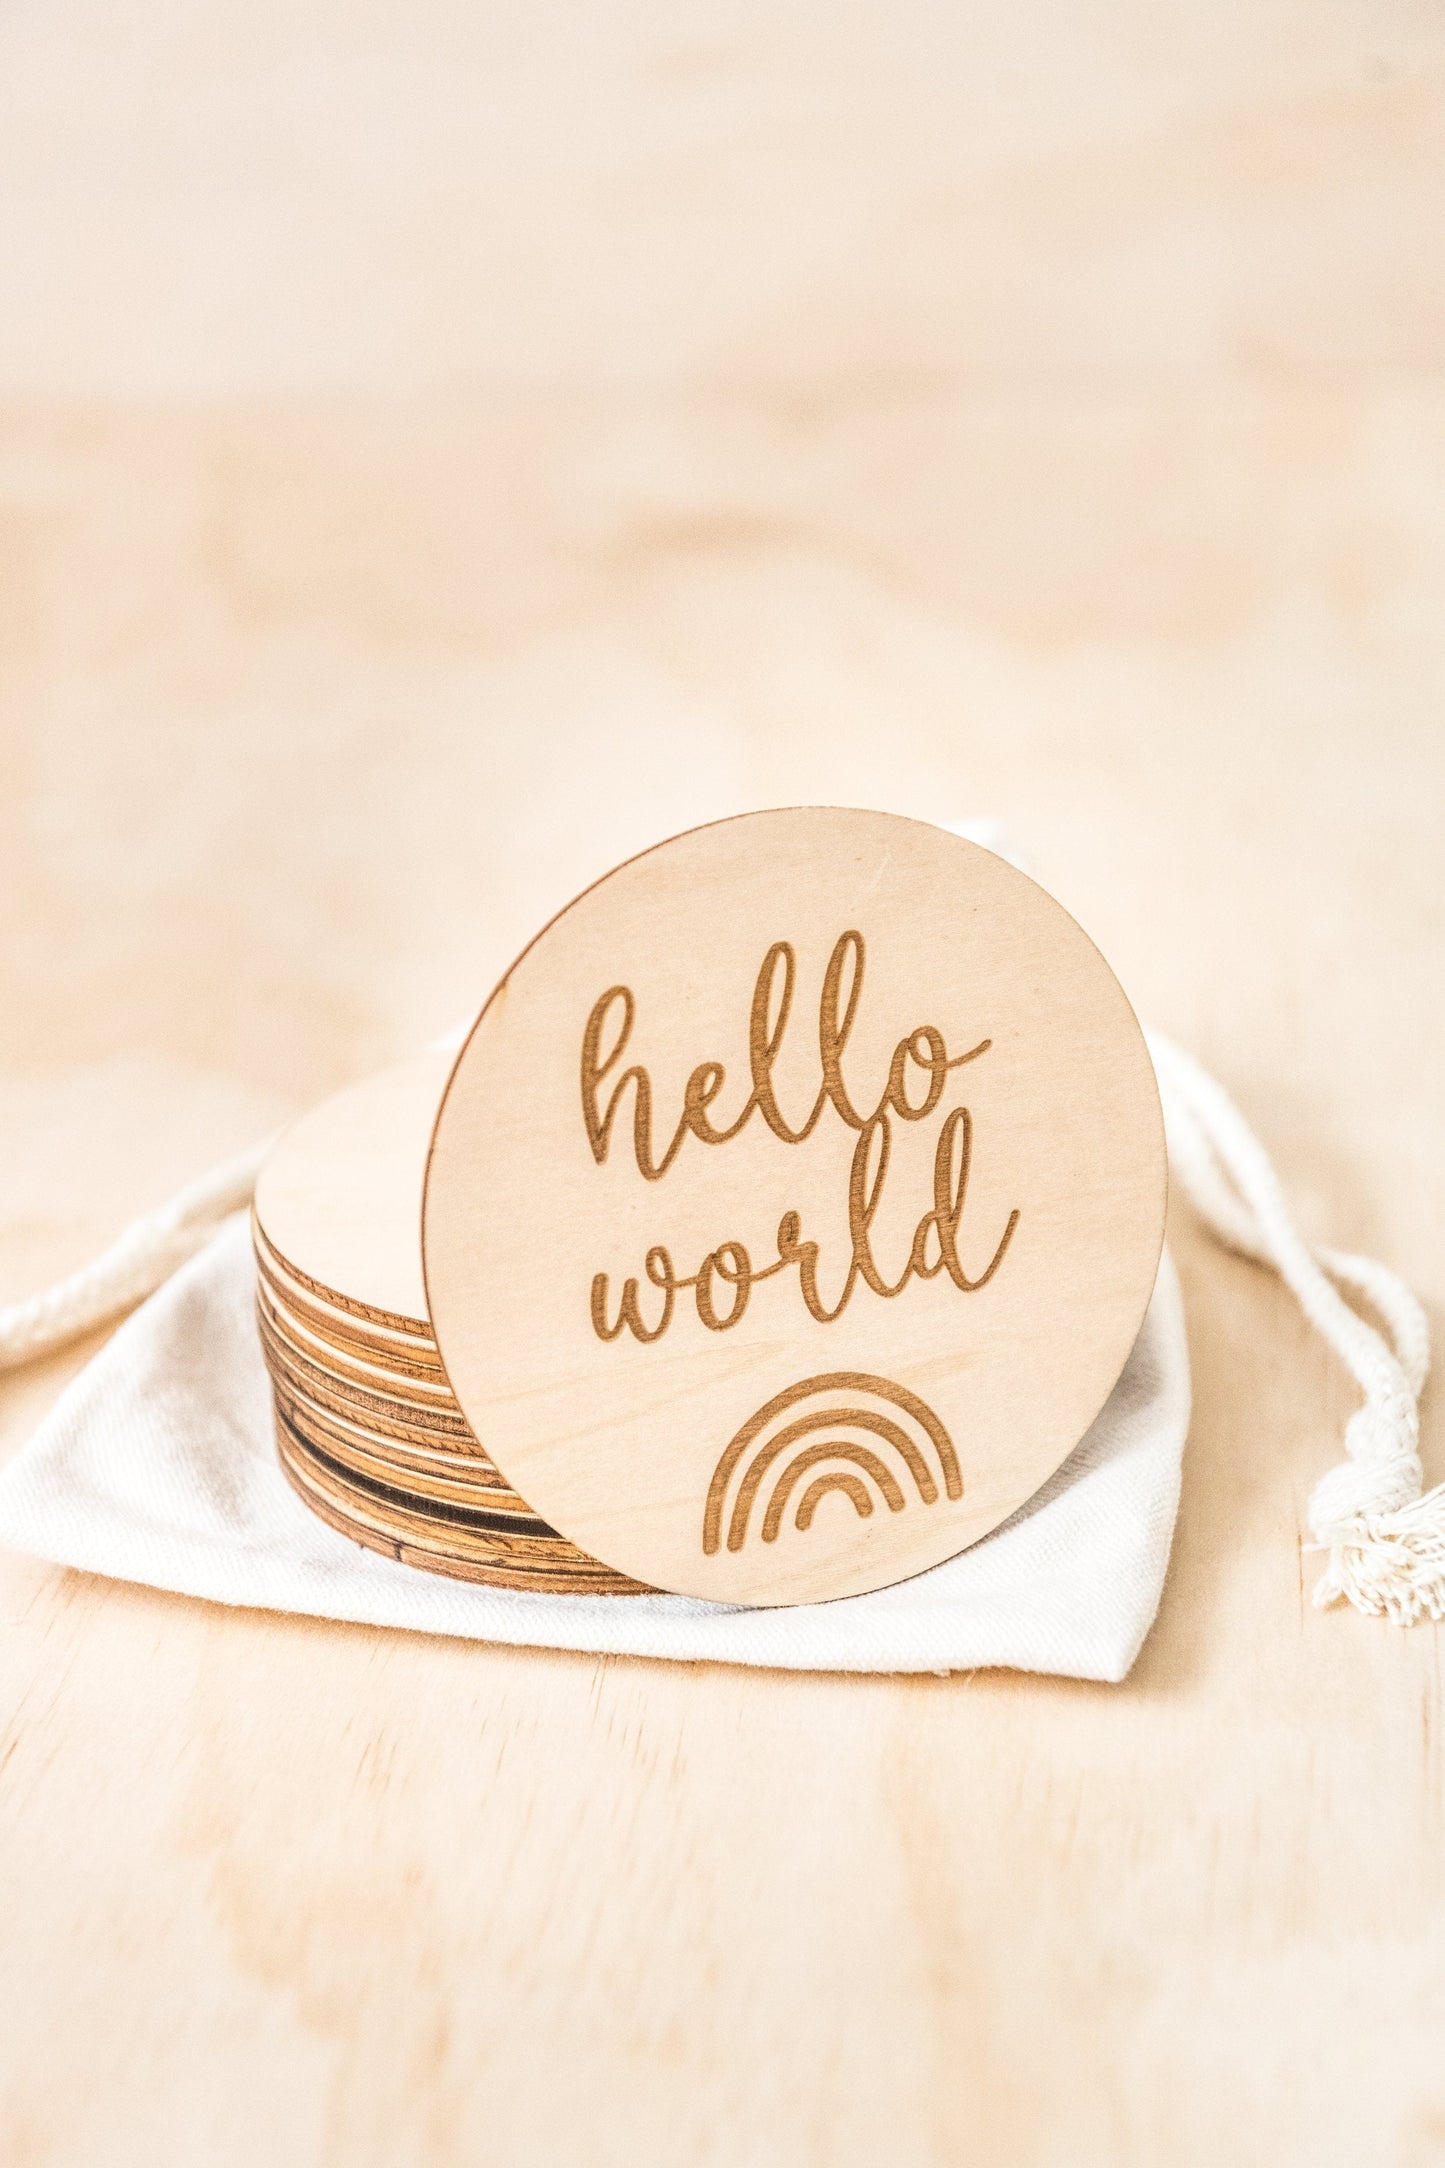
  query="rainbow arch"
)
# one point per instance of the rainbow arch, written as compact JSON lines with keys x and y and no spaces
{"x":872,"y":1440}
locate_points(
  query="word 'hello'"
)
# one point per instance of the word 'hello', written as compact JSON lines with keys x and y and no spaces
{"x":729,"y":1266}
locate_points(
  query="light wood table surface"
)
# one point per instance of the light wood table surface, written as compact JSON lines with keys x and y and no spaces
{"x":443,"y":449}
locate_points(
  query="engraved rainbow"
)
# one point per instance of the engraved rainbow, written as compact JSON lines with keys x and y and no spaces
{"x":866,"y":1437}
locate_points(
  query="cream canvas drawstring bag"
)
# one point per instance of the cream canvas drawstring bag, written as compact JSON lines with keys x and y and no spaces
{"x":157,"y":1464}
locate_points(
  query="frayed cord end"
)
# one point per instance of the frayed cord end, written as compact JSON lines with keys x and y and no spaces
{"x":1387,"y":1564}
{"x":1382,"y":1473}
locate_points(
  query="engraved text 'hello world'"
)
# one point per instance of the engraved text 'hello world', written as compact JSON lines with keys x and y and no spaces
{"x":722,"y":1284}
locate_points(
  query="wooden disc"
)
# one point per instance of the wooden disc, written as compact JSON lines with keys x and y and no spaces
{"x":463,"y":1547}
{"x":368,"y":1432}
{"x":367,"y":1416}
{"x":403,"y":1357}
{"x":340,"y":1361}
{"x":338,"y":1201}
{"x":374,"y":1412}
{"x":794,"y":1205}
{"x":403,"y":1467}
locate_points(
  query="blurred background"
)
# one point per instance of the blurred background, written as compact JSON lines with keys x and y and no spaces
{"x":444,"y":449}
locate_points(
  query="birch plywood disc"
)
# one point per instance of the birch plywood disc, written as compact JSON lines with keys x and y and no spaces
{"x":793,"y":1205}
{"x":466,"y":1546}
{"x":402,"y":1355}
{"x":368,"y":1430}
{"x":338,"y":1202}
{"x":343,"y":1360}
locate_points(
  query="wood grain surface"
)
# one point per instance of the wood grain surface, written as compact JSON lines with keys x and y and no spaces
{"x":442,"y":451}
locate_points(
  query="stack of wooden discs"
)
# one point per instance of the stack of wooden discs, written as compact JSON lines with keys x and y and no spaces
{"x":368,"y":1430}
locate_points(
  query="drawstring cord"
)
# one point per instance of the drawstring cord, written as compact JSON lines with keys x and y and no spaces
{"x":134,"y":1266}
{"x":1382,"y":1533}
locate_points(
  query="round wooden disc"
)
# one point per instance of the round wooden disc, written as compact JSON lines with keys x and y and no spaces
{"x":426,"y":1390}
{"x":367,"y":1428}
{"x":405,"y":1468}
{"x":376,"y":1412}
{"x":468,"y":1548}
{"x":405,"y":1356}
{"x":793,"y":1205}
{"x":338,"y":1202}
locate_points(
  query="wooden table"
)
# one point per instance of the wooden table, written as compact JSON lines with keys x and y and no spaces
{"x":442,"y":450}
